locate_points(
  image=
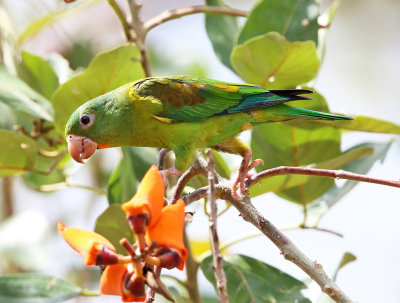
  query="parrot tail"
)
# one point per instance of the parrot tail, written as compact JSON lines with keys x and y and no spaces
{"x":283,"y":112}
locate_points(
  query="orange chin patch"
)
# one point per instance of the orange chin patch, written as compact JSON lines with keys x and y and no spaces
{"x":103,"y":145}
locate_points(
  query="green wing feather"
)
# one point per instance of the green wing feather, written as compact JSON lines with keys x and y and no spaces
{"x":190,"y":99}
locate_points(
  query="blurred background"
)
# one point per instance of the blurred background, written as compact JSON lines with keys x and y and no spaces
{"x":360,"y":75}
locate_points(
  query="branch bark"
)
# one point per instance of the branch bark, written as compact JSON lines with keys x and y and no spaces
{"x":288,"y":249}
{"x":219,"y":272}
{"x":338,"y":174}
{"x":140,"y":31}
{"x":181,"y":12}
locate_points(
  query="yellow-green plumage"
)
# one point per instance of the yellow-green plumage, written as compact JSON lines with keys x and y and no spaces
{"x":184,"y":114}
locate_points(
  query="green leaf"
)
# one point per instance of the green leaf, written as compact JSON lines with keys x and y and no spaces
{"x":273,"y":62}
{"x":106,"y":72}
{"x":294,"y":19}
{"x":112,"y":224}
{"x":18,"y":153}
{"x":123,"y":182}
{"x":319,"y":207}
{"x":20,"y":97}
{"x":250,"y":280}
{"x":36,"y":288}
{"x":38,"y":74}
{"x":365,"y":124}
{"x":221,"y":31}
{"x":346,"y":259}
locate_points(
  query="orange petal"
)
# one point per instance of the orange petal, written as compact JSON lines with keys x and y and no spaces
{"x":149,"y":199}
{"x":112,"y":278}
{"x":168,"y":230}
{"x":88,"y":244}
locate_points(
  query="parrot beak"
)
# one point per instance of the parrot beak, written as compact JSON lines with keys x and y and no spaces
{"x":80,"y":147}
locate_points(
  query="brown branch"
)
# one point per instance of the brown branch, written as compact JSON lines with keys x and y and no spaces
{"x":122,"y":19}
{"x":140,"y":31}
{"x":181,"y":12}
{"x":8,"y":197}
{"x":290,"y":251}
{"x":338,"y":174}
{"x":162,"y":154}
{"x":218,"y":268}
{"x":194,"y":170}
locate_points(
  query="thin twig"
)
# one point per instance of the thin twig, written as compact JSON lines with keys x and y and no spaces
{"x":188,"y":175}
{"x":122,"y":19}
{"x":67,"y":183}
{"x":338,"y":174}
{"x":138,"y":28}
{"x":162,"y":154}
{"x":181,"y":12}
{"x":8,"y":197}
{"x":219,"y":272}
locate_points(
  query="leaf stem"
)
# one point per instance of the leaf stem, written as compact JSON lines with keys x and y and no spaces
{"x":67,"y":183}
{"x":181,"y":12}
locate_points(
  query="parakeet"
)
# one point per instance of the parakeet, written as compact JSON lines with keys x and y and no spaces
{"x":184,"y":114}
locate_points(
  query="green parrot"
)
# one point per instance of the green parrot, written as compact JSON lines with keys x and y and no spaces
{"x":184,"y":114}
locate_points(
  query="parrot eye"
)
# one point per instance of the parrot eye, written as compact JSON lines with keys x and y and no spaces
{"x":86,"y":120}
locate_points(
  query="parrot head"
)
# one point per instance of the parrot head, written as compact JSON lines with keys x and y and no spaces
{"x":99,"y":123}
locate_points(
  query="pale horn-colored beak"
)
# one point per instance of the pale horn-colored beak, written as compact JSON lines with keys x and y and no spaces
{"x":80,"y":147}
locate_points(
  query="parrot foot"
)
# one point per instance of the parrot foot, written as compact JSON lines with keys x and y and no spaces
{"x":170,"y":172}
{"x":244,"y":173}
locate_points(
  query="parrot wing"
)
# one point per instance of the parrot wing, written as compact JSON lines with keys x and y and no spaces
{"x":190,"y":99}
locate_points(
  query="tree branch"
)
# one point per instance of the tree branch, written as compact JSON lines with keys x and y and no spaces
{"x":338,"y":174}
{"x":220,"y":276}
{"x":181,"y":12}
{"x":290,"y":252}
{"x":162,"y":154}
{"x":122,"y":19}
{"x":140,"y":31}
{"x":196,"y":169}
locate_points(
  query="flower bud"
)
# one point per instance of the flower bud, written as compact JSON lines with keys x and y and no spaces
{"x":133,"y":288}
{"x":170,"y":259}
{"x":139,"y":223}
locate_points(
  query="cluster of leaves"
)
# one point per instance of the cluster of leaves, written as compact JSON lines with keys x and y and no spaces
{"x":280,"y":45}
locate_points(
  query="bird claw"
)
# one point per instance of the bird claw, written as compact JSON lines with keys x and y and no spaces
{"x":243,"y":174}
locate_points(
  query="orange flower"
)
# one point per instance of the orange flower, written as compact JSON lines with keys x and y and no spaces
{"x":96,"y":249}
{"x":168,"y":230}
{"x":115,"y":280}
{"x":148,"y":200}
